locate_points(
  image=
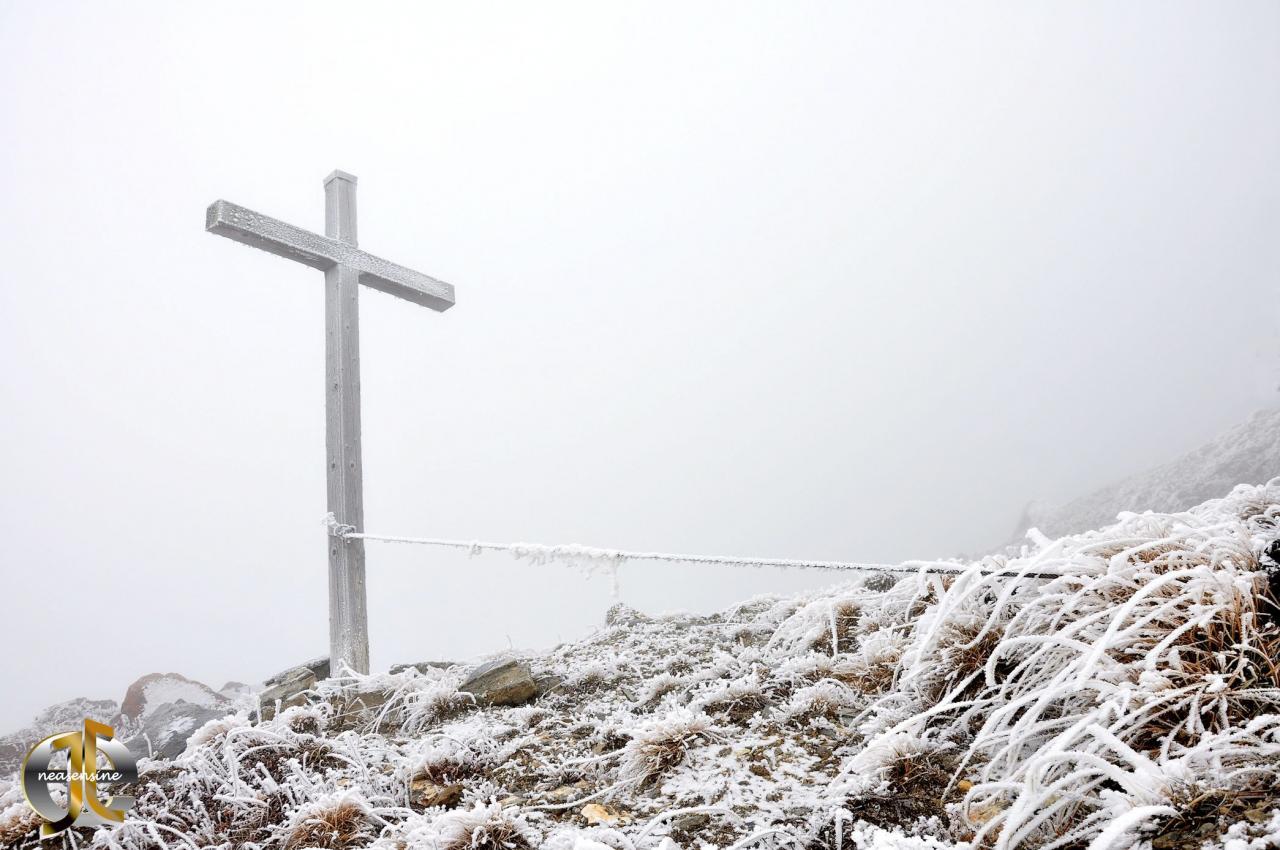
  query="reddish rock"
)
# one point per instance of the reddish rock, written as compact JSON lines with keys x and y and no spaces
{"x":157,"y":689}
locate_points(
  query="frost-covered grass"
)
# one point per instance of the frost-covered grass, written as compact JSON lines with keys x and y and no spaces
{"x":1126,"y":702}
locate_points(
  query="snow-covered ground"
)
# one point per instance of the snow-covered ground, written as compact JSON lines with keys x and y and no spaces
{"x":1112,"y":689}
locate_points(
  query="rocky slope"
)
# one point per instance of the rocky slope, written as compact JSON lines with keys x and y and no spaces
{"x":1113,"y":689}
{"x":158,"y":714}
{"x":1248,"y":453}
{"x":54,"y":719}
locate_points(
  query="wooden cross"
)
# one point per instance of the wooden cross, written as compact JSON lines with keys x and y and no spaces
{"x":344,"y":267}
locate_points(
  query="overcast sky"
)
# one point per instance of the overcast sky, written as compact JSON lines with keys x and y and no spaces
{"x":841,"y":281}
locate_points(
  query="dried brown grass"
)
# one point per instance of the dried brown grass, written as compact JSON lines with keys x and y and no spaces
{"x":335,"y":828}
{"x":21,"y":829}
{"x":844,"y":616}
{"x":915,"y":783}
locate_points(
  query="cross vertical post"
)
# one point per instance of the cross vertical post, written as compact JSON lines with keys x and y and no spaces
{"x":348,"y":616}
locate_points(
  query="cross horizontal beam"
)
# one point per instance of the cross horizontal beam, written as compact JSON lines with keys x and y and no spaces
{"x":320,"y":252}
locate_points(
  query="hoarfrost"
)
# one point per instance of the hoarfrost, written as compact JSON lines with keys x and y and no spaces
{"x":1131,"y":697}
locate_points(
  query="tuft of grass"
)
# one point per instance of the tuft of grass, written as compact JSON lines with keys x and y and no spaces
{"x":20,"y":828}
{"x":1204,"y":812}
{"x":431,"y":706}
{"x":913,"y":782}
{"x":447,"y":770}
{"x":660,"y":745}
{"x":839,"y":636}
{"x":964,"y":648}
{"x":484,"y":827}
{"x":659,"y":686}
{"x":336,"y":826}
{"x":825,"y":700}
{"x":592,"y":679}
{"x":737,"y":701}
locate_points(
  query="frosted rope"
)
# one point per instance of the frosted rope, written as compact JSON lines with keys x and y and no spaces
{"x":540,"y":553}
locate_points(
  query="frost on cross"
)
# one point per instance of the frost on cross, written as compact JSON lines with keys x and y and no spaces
{"x":345,"y":269}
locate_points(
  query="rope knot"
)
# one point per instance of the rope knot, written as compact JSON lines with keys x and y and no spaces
{"x":338,"y":529}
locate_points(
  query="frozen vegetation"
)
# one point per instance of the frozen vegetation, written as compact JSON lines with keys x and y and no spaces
{"x":1127,"y":700}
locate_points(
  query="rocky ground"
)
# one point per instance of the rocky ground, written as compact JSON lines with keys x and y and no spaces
{"x":1112,"y":689}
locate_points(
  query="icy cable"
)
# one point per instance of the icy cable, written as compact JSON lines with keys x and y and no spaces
{"x":576,"y":553}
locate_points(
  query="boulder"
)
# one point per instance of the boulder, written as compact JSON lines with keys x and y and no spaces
{"x":503,"y":682}
{"x":286,"y":692}
{"x":164,"y":732}
{"x":160,"y":711}
{"x":317,"y":667}
{"x":159,"y":689}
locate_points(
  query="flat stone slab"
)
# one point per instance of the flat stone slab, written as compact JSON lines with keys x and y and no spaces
{"x":317,"y":667}
{"x":504,"y":682}
{"x":286,"y":692}
{"x":359,"y":707}
{"x":424,"y":794}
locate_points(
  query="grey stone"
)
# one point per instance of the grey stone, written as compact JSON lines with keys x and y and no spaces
{"x":504,"y":682}
{"x":565,"y":793}
{"x":164,"y":732}
{"x":547,"y":682}
{"x":286,"y":693}
{"x":317,"y":667}
{"x":422,"y":666}
{"x":690,"y":823}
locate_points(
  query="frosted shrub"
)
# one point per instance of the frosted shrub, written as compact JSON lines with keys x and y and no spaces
{"x":442,"y":761}
{"x":1120,"y":687}
{"x":657,"y":746}
{"x":826,"y":699}
{"x":592,"y":677}
{"x":823,"y":624}
{"x":485,"y":826}
{"x":217,"y":730}
{"x":736,"y":700}
{"x":1119,"y":675}
{"x":334,"y":822}
{"x":422,"y":708}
